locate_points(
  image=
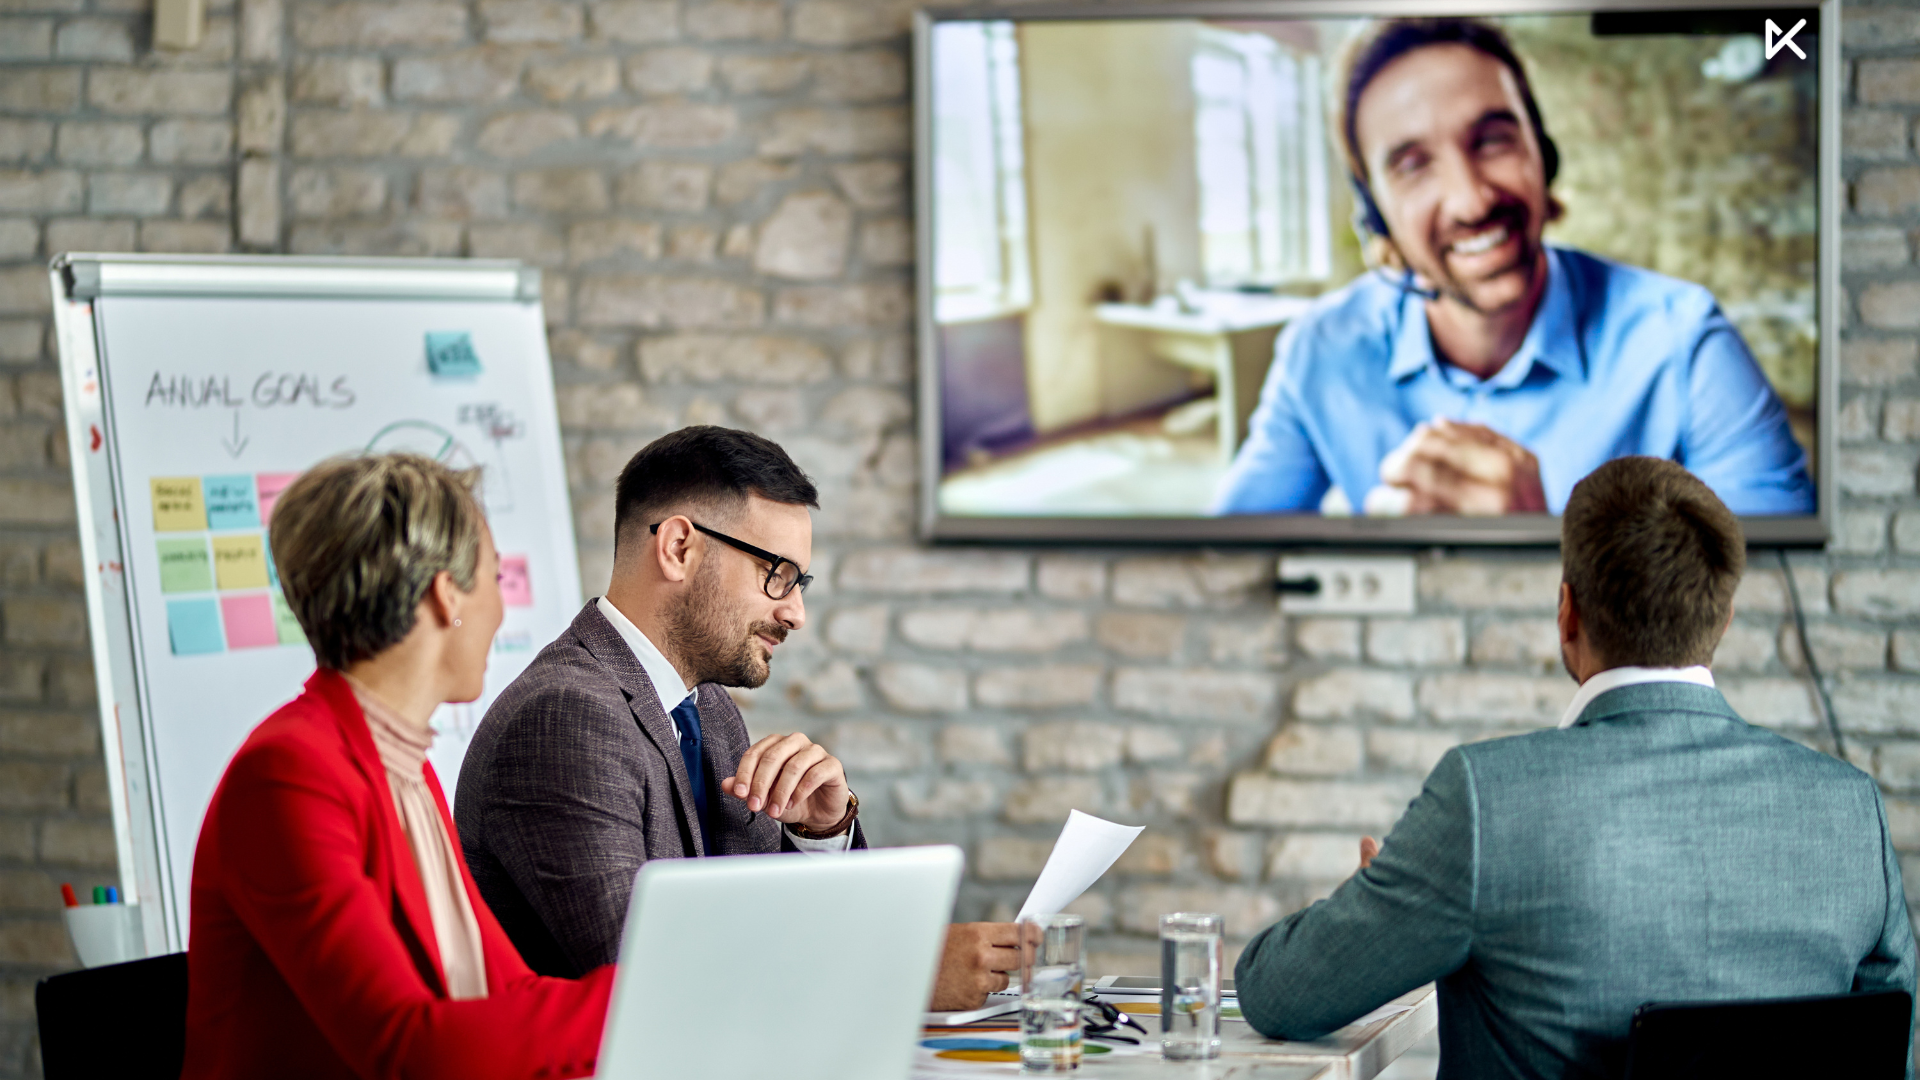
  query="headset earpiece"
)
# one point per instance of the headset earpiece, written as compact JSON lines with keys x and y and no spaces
{"x":1367,"y":220}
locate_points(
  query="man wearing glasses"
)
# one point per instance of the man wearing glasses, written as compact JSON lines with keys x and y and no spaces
{"x":619,"y":743}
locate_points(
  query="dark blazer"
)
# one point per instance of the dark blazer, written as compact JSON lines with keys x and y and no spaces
{"x":1661,"y":849}
{"x":313,"y":951}
{"x":574,"y":779}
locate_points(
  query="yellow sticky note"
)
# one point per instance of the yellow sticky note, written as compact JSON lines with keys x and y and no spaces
{"x":177,"y":505}
{"x":239,"y":562}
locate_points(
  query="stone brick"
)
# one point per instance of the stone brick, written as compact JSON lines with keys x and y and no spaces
{"x":373,"y":24}
{"x":1257,"y":799}
{"x":1072,"y":746}
{"x":837,"y":132}
{"x":39,"y":89}
{"x":590,"y":241}
{"x":675,"y":186}
{"x":49,"y":734}
{"x":1876,"y":248}
{"x":45,"y":620}
{"x":192,"y":142}
{"x":945,"y":799}
{"x":82,"y":143}
{"x":836,"y":306}
{"x":757,"y":74}
{"x":1230,"y":854}
{"x":1250,"y":642}
{"x":1327,"y":638}
{"x":872,"y":185}
{"x":731,"y":359}
{"x":1314,"y":856}
{"x":672,"y":70}
{"x":1488,"y":698}
{"x":1236,"y":697}
{"x":94,"y":39}
{"x":973,"y":744}
{"x":1765,"y":591}
{"x":185,"y":237}
{"x":1877,"y":594}
{"x":1897,"y":765}
{"x":23,"y":290}
{"x":1409,"y":751}
{"x":1872,"y":133}
{"x":1481,"y":584}
{"x":263,"y":115}
{"x":1007,"y":858}
{"x":41,"y":942}
{"x":1244,"y":911}
{"x":1879,"y":361}
{"x":635,"y":21}
{"x":933,"y":572}
{"x":373,"y":134}
{"x":259,"y":217}
{"x":32,"y":785}
{"x":262,"y":24}
{"x":1891,"y":305}
{"x":805,"y":238}
{"x":39,"y":391}
{"x":1894,"y":81}
{"x":1052,"y":686}
{"x":849,"y":22}
{"x":20,"y":339}
{"x":1878,"y":705}
{"x":693,"y":243}
{"x":867,"y":746}
{"x":601,"y":405}
{"x":1189,"y":582}
{"x":141,"y":194}
{"x":529,"y":240}
{"x":667,"y":125}
{"x":1859,"y":419}
{"x":1746,"y":647}
{"x":1530,"y":642}
{"x":522,"y":134}
{"x":473,"y":75}
{"x":919,"y":688}
{"x":77,"y":842}
{"x":71,"y":682}
{"x":1418,"y":642}
{"x":29,"y":890}
{"x":340,"y":81}
{"x":1141,"y":635}
{"x":159,"y":90}
{"x":1877,"y":27}
{"x":735,"y":20}
{"x":1045,"y":800}
{"x":1906,"y":650}
{"x":1901,"y":421}
{"x":315,"y":193}
{"x":887,"y":242}
{"x":1906,"y":531}
{"x":1308,"y":750}
{"x":1151,"y":854}
{"x":993,"y":629}
{"x":826,"y":688}
{"x":460,"y":193}
{"x":19,"y":239}
{"x":561,"y":191}
{"x":54,"y":191}
{"x":574,"y":78}
{"x":1774,"y":703}
{"x":26,"y":140}
{"x":1349,"y":691}
{"x":22,"y":679}
{"x":864,"y":411}
{"x":532,"y":21}
{"x":1147,"y":743}
{"x":1836,"y":648}
{"x":25,"y":39}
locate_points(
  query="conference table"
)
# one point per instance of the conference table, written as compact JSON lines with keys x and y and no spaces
{"x":1358,"y":1051}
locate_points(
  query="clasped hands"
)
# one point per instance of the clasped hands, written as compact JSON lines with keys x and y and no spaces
{"x":1453,"y":467}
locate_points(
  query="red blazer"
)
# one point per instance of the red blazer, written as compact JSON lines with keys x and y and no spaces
{"x":311,"y":952}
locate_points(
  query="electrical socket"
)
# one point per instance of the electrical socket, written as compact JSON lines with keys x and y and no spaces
{"x":1350,"y":584}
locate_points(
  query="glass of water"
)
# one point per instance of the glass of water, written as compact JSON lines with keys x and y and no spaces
{"x":1052,"y":974}
{"x":1190,"y":959}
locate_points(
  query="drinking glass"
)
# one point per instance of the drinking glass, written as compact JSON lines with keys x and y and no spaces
{"x":1190,"y":959}
{"x":1052,"y":974}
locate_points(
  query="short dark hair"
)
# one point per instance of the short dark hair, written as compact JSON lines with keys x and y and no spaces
{"x":705,"y":469}
{"x":1652,"y":557}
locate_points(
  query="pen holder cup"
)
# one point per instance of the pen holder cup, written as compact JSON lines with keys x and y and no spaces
{"x":105,"y":933}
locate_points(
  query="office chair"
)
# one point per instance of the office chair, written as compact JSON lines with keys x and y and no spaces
{"x":1858,"y":1036}
{"x":127,"y":1021}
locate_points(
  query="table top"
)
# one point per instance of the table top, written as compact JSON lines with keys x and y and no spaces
{"x":1221,"y":313}
{"x":1355,"y":1052}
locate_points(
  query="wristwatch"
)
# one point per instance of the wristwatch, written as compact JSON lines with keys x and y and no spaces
{"x":846,"y":822}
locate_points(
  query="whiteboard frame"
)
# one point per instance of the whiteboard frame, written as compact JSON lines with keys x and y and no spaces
{"x":76,"y":279}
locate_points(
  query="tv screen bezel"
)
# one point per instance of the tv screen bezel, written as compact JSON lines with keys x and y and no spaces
{"x":1312,"y":529}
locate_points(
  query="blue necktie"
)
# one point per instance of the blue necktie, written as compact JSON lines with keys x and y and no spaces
{"x":687,"y":716}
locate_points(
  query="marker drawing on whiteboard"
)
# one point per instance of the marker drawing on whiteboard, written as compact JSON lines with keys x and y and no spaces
{"x":270,"y":389}
{"x":238,"y":442}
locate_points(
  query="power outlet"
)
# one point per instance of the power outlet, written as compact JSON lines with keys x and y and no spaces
{"x":1348,"y":585}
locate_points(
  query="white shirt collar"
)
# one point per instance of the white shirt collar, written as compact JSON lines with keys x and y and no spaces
{"x":1615,"y":678}
{"x":666,"y":680}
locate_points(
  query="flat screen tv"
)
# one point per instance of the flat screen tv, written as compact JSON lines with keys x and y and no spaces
{"x":1371,"y":272}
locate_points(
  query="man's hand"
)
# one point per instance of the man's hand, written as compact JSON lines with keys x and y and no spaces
{"x":794,"y":779}
{"x":974,"y":963}
{"x":1369,"y":847}
{"x":1450,"y":467}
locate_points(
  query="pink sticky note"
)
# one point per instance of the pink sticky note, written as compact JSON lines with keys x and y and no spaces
{"x":249,"y":621}
{"x":516,"y":589}
{"x":271,"y":485}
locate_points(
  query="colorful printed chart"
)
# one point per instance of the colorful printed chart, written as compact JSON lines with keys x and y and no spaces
{"x":215,"y":567}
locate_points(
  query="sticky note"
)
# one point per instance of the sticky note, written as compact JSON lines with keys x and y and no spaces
{"x":239,"y":562}
{"x":516,"y":589}
{"x":176,"y":504}
{"x":284,"y":622}
{"x":249,"y":621}
{"x":231,"y":503}
{"x":185,"y":565}
{"x":451,"y":354}
{"x":270,"y":485}
{"x":273,"y":572}
{"x":193,"y":626}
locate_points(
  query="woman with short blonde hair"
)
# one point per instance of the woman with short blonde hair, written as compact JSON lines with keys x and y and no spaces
{"x":335,"y":929}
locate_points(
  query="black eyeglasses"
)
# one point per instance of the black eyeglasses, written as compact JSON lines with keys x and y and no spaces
{"x":783,"y":574}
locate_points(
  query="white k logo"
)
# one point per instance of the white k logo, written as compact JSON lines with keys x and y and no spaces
{"x":1777,"y":40}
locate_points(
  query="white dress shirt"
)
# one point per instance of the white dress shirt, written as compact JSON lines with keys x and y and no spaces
{"x":1615,"y":678}
{"x":672,"y":690}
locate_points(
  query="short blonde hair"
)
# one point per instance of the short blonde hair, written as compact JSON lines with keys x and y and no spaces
{"x":358,"y":540}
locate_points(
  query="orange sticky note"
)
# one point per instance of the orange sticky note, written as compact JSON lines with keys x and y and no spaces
{"x":177,"y":504}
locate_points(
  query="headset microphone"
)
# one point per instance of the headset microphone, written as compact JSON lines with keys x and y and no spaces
{"x":1369,"y":222}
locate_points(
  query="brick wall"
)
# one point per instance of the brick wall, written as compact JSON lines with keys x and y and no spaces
{"x":717,"y":192}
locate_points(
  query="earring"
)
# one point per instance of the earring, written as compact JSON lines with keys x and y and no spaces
{"x":456,"y":622}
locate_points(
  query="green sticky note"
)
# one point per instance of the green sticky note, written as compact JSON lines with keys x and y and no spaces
{"x":450,"y":353}
{"x":284,"y":623}
{"x":185,"y":565}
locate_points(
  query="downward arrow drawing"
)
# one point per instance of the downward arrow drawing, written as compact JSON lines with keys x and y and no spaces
{"x":239,"y":442}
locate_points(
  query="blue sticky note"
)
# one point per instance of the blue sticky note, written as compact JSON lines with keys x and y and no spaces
{"x":231,"y":502}
{"x":194,"y":626}
{"x":273,"y":572}
{"x":969,"y":1044}
{"x":450,"y":353}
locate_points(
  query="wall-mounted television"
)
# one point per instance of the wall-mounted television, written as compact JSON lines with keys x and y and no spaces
{"x":1369,"y":271}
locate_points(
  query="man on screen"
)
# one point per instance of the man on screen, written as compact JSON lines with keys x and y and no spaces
{"x":1481,"y":371}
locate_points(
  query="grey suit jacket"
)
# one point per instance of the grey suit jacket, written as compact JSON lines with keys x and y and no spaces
{"x":1661,"y":849}
{"x":574,"y":779}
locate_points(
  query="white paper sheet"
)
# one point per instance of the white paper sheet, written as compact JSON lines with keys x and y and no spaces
{"x":1087,"y":847}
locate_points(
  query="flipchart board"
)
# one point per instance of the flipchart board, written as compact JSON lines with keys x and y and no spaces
{"x":196,"y":390}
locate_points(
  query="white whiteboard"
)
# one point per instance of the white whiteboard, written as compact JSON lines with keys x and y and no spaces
{"x":196,"y":388}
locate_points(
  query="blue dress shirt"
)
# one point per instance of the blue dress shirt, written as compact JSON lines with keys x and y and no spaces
{"x":1619,"y":360}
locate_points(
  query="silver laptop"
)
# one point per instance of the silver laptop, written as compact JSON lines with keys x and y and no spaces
{"x":795,"y":966}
